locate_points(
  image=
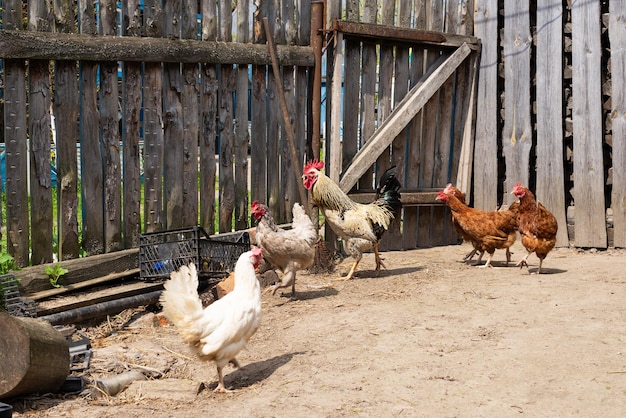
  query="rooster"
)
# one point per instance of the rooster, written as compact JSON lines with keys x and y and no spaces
{"x":288,"y":250}
{"x":484,"y":229}
{"x":360,"y":226}
{"x":222,"y":329}
{"x":537,"y":226}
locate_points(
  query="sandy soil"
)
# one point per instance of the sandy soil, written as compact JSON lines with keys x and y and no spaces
{"x":431,"y":336}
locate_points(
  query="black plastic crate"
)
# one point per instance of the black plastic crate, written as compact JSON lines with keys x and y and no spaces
{"x":11,"y":301}
{"x":162,"y":252}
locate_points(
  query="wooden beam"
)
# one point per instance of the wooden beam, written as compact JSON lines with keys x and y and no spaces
{"x":402,"y":114}
{"x":409,"y":198}
{"x":385,"y":33}
{"x":66,"y":46}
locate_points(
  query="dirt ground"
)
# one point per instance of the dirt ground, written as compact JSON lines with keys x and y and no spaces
{"x":430,"y":337}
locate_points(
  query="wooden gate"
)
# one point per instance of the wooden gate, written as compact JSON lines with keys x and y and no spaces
{"x":421,"y":83}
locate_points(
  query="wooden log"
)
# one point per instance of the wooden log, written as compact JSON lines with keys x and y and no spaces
{"x":102,"y":309}
{"x":34,"y":279}
{"x":36,"y":356}
{"x":65,"y":46}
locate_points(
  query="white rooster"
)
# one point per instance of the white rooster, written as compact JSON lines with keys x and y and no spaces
{"x":221,"y":330}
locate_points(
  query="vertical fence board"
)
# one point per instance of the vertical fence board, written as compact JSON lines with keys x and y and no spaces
{"x":190,"y":115}
{"x":242,"y":135}
{"x":385,"y":84}
{"x":411,"y":181}
{"x":550,"y":168}
{"x":16,"y":146}
{"x":225,"y":98}
{"x":392,"y":240}
{"x":208,"y":119}
{"x":486,"y":145}
{"x":351,"y":83}
{"x":617,"y":36}
{"x":66,"y":108}
{"x":590,"y":226}
{"x":289,"y":186}
{"x":258,"y":140}
{"x":303,"y":124}
{"x":152,"y":126}
{"x":274,"y":140}
{"x":368,"y":91}
{"x":172,"y":124}
{"x":109,"y":126}
{"x":131,"y":109}
{"x":39,"y":126}
{"x":517,"y":132}
{"x":92,"y":179}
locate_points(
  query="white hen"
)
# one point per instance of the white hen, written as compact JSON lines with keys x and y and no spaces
{"x":222,"y":329}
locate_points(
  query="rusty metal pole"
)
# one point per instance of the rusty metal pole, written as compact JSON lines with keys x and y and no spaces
{"x":317,"y":28}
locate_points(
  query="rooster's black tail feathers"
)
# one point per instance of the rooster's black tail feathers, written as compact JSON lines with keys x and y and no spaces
{"x":388,"y":190}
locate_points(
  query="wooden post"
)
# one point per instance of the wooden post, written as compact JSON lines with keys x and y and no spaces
{"x":36,"y":357}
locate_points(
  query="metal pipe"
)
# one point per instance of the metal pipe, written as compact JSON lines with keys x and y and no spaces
{"x":317,"y":27}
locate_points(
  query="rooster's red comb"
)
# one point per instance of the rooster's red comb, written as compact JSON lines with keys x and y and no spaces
{"x":318,"y":165}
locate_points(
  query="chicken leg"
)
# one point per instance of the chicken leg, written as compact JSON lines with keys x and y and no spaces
{"x":523,"y":262}
{"x":220,"y":378}
{"x":379,"y":259}
{"x":351,"y":273}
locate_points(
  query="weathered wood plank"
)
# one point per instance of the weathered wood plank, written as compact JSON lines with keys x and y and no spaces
{"x":486,"y":145}
{"x":34,"y":279}
{"x":110,"y":136}
{"x":410,"y":226}
{"x":351,"y":91}
{"x":242,"y":135}
{"x":16,"y":146}
{"x":258,"y":141}
{"x":368,"y":91}
{"x":208,"y":125}
{"x":39,"y":128}
{"x":517,"y":132}
{"x":227,"y":140}
{"x":550,"y":170}
{"x":392,"y":240}
{"x":617,"y":36}
{"x":92,"y":174}
{"x":66,"y":107}
{"x":173,"y":121}
{"x":432,"y":80}
{"x":590,"y":227}
{"x":394,"y":34}
{"x":153,"y":131}
{"x":290,"y":186}
{"x":131,"y":107}
{"x":385,"y":87}
{"x":33,"y":45}
{"x":190,"y":119}
{"x":333,"y":159}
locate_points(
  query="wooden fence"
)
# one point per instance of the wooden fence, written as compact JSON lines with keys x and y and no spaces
{"x":151,"y":107}
{"x":548,"y":111}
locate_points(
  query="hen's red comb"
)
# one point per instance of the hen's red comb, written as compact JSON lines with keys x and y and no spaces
{"x":318,"y":165}
{"x":254,"y":205}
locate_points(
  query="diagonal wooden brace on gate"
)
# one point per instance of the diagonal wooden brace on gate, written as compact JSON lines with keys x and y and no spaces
{"x":402,"y":114}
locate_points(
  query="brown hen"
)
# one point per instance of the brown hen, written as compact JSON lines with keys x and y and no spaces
{"x":537,"y":226}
